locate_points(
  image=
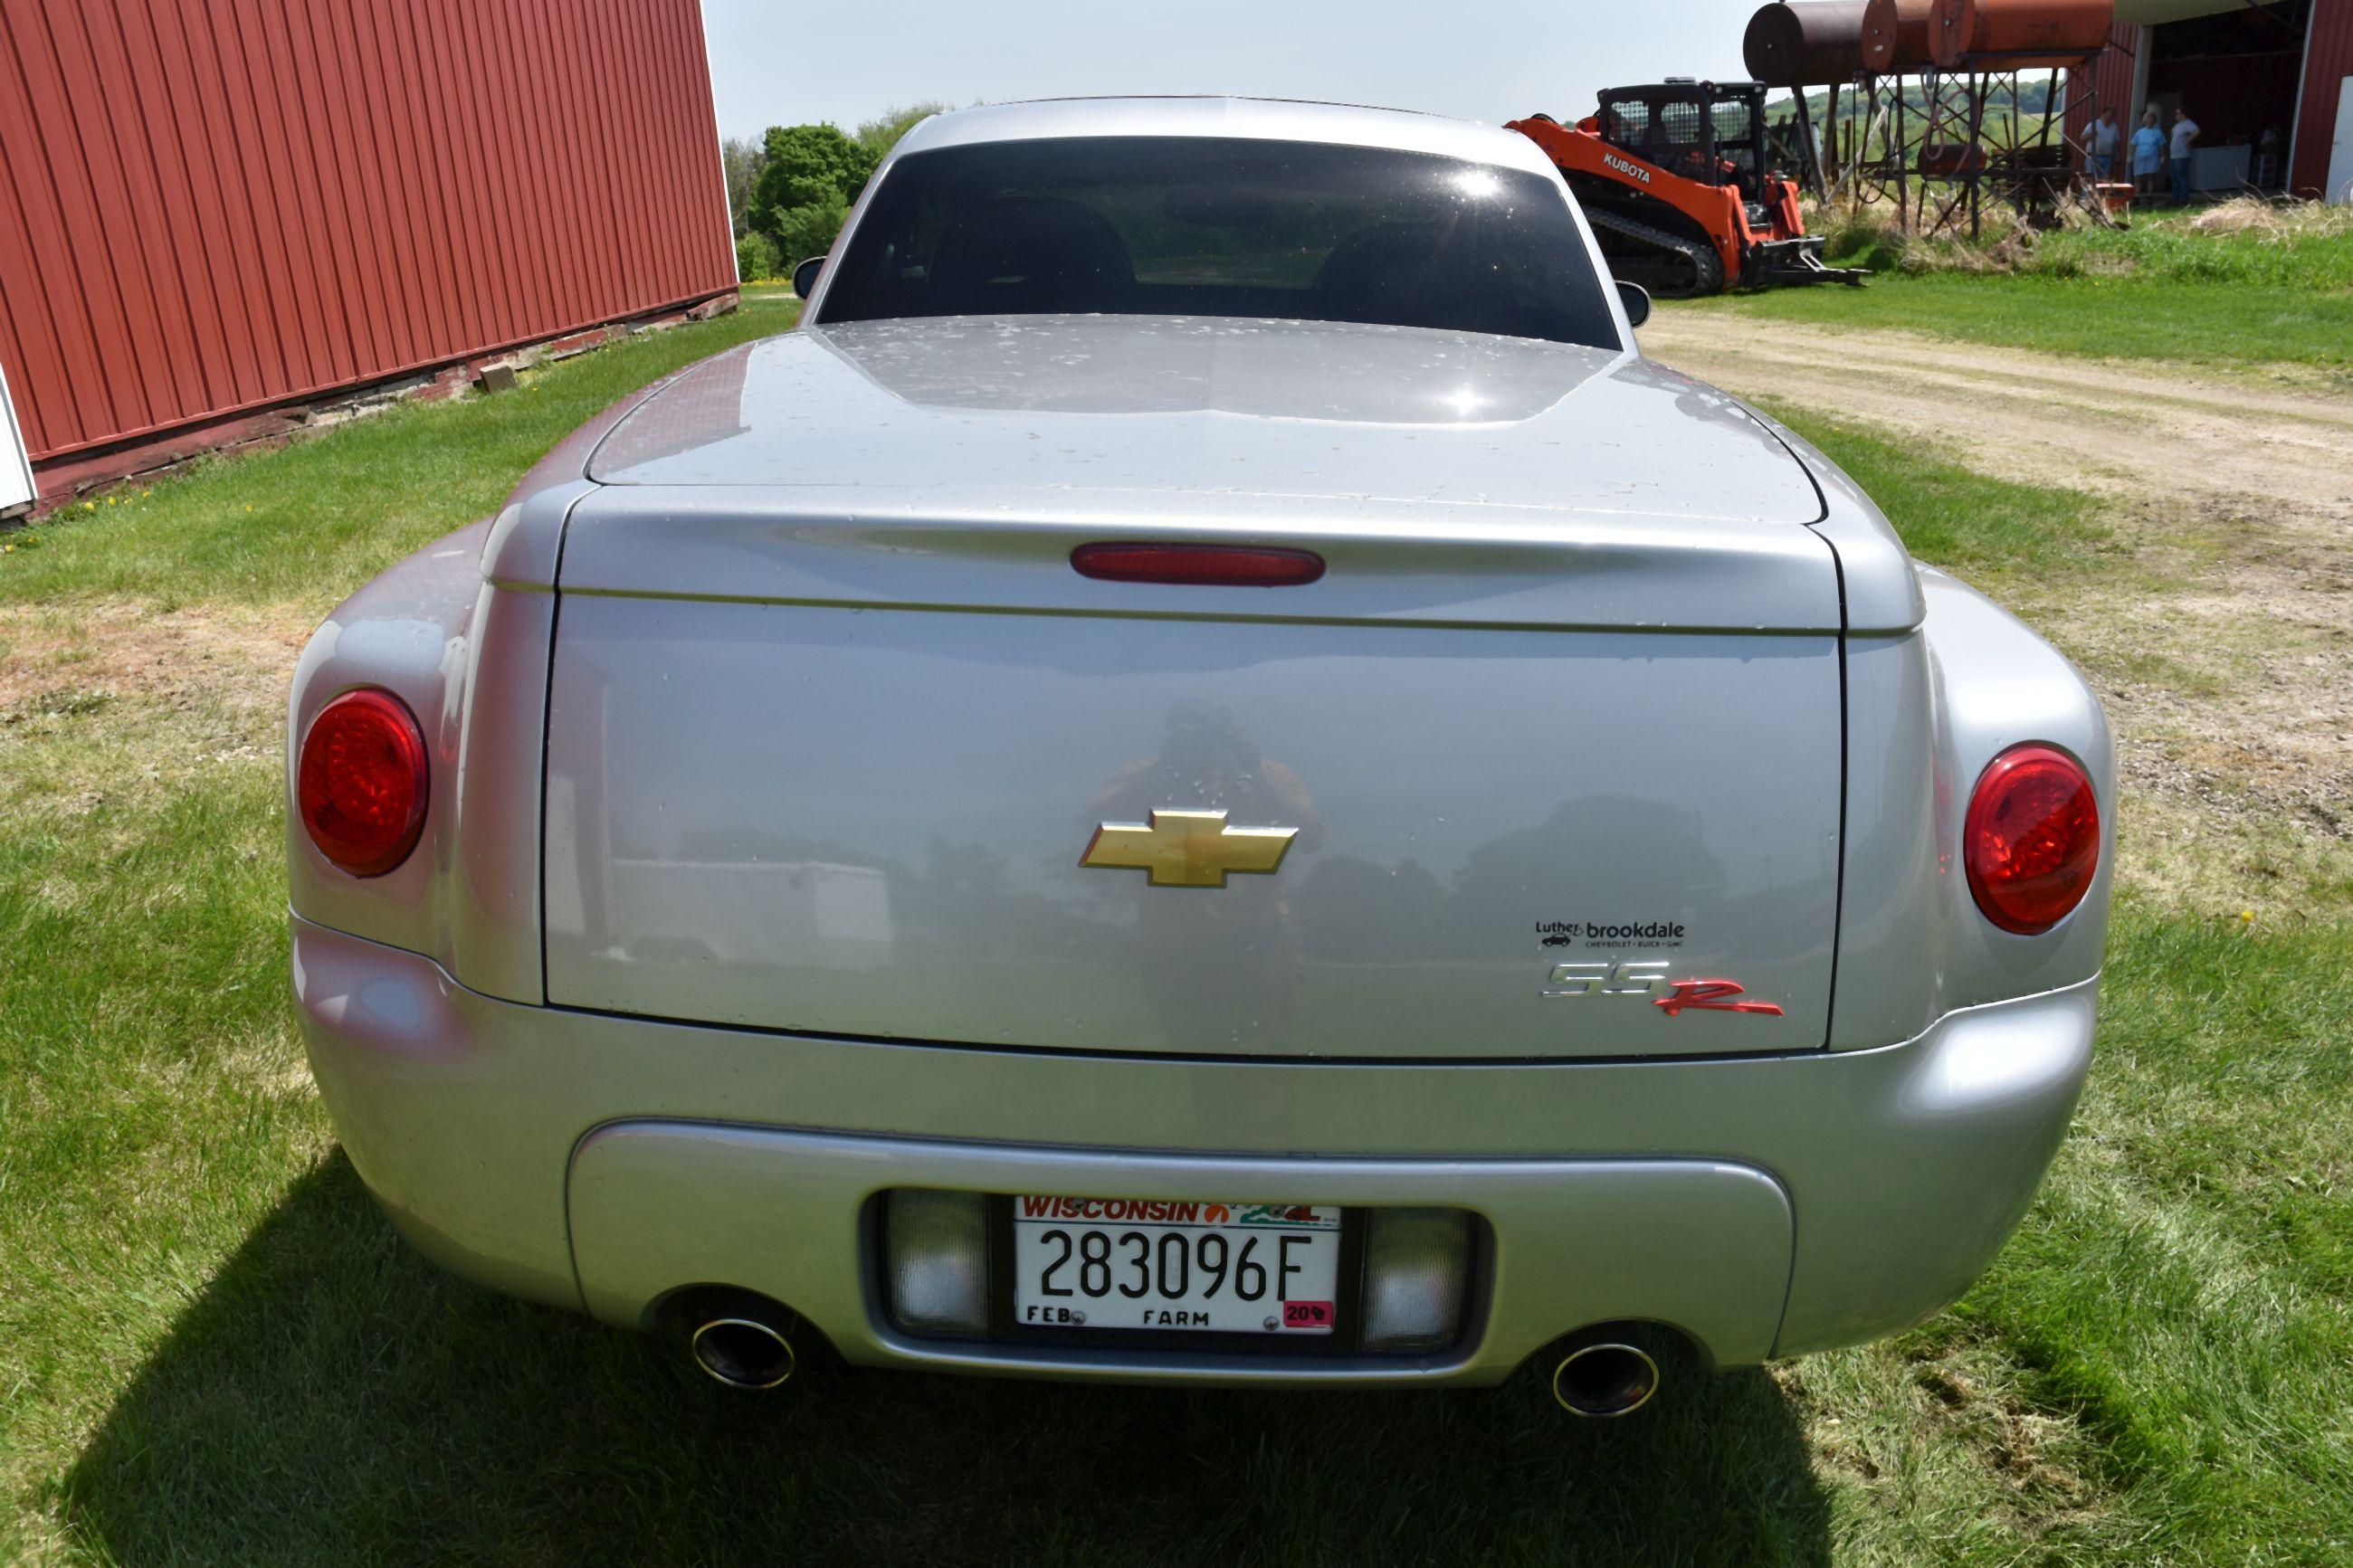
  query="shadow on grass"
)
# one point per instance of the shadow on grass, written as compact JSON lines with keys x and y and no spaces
{"x":332,"y":1397}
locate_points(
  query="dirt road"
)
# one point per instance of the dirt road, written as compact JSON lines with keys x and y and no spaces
{"x":2131,"y":429}
{"x":2226,"y":653}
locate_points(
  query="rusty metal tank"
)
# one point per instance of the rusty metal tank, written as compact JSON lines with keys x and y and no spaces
{"x":1805,"y":43}
{"x":1895,"y":36}
{"x":2022,"y":34}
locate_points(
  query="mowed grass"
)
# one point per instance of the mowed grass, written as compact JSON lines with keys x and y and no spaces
{"x":2214,"y":325}
{"x":304,"y":525}
{"x":2162,"y":290}
{"x":214,"y":1349}
{"x":1986,"y":531}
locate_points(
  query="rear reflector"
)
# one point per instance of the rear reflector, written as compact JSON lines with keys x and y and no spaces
{"x":1228,"y":565}
{"x":360,"y":785}
{"x":1417,"y":1278}
{"x":2033,"y":839}
{"x":936,"y":1245}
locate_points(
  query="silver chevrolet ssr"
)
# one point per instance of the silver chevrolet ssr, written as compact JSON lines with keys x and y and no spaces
{"x":1204,"y":775}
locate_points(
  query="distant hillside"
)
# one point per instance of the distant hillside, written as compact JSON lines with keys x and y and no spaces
{"x":2034,"y":94}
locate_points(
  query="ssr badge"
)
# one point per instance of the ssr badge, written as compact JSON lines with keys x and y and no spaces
{"x":1712,"y":996}
{"x":1650,"y":982}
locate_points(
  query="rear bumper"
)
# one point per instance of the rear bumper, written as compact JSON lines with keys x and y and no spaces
{"x":1762,"y":1206}
{"x":658,"y":1204}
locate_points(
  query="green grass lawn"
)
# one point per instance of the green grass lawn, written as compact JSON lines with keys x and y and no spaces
{"x":2159,"y":291}
{"x":2215,"y":324}
{"x":301,"y":527}
{"x":214,"y":1349}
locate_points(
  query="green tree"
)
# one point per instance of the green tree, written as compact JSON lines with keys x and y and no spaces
{"x":741,"y":158}
{"x":809,"y":175}
{"x":755,"y":257}
{"x":881,"y":134}
{"x":806,"y":231}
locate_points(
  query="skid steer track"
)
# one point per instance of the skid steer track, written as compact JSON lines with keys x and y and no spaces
{"x":1700,"y":272}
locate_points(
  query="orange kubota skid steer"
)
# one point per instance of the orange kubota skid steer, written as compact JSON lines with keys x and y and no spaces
{"x":1675,"y":180}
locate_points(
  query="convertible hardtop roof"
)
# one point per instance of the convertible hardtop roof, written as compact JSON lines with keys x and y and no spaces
{"x":1260,"y":119}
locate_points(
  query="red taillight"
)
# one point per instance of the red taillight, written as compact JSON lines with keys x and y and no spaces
{"x":1230,"y":565}
{"x":2033,"y":839}
{"x":361,"y":783}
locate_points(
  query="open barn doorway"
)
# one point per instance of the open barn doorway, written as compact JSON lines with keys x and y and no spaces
{"x":2236,"y":72}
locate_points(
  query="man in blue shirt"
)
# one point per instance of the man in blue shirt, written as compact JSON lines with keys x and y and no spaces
{"x":2101,"y":142}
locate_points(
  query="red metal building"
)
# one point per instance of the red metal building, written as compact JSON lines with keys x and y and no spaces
{"x":216,"y":213}
{"x":2242,"y":68}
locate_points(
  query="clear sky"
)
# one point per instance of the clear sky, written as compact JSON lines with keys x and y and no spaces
{"x":1480,"y":59}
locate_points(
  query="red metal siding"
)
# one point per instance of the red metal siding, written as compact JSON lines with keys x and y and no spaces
{"x":2327,"y":61}
{"x":213,"y":205}
{"x":2111,"y":83}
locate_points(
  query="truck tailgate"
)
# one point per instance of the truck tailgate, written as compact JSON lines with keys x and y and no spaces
{"x":1510,"y":841}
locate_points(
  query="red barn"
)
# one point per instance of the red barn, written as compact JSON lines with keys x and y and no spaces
{"x":2242,"y":70}
{"x":215,"y":217}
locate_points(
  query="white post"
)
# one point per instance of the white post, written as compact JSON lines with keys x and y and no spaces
{"x":16,"y":492}
{"x":2304,"y":83}
{"x":2144,"y":41}
{"x":2340,"y":152}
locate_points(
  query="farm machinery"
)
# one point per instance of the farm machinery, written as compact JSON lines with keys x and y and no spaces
{"x":1676,"y":181}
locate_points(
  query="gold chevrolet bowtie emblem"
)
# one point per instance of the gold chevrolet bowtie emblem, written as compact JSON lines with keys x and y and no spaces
{"x":1187,"y":849}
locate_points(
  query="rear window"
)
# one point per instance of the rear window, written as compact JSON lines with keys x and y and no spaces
{"x":1219,"y":226}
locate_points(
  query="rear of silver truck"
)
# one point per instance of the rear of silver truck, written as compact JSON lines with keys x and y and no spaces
{"x":1166,"y":848}
{"x":1501,"y":917}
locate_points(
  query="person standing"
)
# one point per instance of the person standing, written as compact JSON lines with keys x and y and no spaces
{"x":2101,"y":143}
{"x":2148,"y":155}
{"x":2185,"y":136}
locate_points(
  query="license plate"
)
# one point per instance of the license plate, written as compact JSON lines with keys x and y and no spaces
{"x":1150,"y":1264}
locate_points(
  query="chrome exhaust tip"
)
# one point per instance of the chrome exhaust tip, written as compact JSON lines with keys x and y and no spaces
{"x":752,"y":1349}
{"x":1603,"y":1376}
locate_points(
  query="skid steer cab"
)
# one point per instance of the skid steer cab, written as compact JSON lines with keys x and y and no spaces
{"x":1678,"y":184}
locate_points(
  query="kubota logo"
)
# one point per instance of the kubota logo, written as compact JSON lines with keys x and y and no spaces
{"x":1632,"y":171}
